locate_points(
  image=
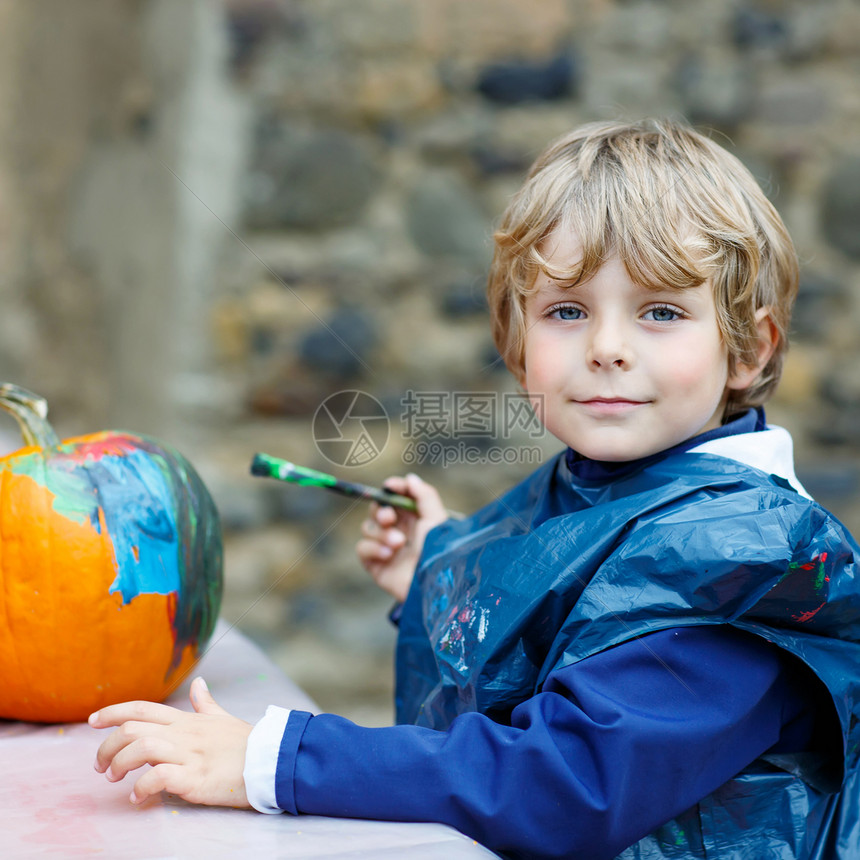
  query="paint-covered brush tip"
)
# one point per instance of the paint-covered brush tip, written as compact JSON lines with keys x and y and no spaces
{"x":260,"y":465}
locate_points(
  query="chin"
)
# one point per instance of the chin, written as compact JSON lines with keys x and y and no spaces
{"x":614,"y":456}
{"x":614,"y":453}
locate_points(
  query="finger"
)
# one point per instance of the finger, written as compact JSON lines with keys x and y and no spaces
{"x":370,"y":528}
{"x":386,"y":515}
{"x":396,"y":483}
{"x":149,"y":712}
{"x":390,"y":538}
{"x":394,"y":538}
{"x":202,"y":700}
{"x":116,"y":741}
{"x":370,"y":551}
{"x":376,"y":569}
{"x":388,"y":535}
{"x":375,"y":527}
{"x":426,"y":497}
{"x":146,"y":750}
{"x":163,"y":777}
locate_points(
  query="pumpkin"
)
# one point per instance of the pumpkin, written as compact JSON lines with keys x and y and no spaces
{"x":110,"y":569}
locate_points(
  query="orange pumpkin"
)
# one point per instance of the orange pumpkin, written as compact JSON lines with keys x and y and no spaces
{"x":110,"y":569}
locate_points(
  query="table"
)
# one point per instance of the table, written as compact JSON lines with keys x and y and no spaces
{"x":53,"y":804}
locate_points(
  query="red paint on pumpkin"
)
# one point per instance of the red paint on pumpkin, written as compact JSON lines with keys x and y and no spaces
{"x":95,"y":446}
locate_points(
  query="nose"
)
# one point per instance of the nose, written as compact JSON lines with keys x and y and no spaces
{"x":609,"y":346}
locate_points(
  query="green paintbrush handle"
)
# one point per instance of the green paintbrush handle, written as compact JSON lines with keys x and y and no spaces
{"x":283,"y":470}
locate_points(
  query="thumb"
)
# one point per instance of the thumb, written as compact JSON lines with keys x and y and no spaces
{"x":202,"y":699}
{"x":427,"y":497}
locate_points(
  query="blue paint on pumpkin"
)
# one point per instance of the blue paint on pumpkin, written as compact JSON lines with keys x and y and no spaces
{"x":137,"y":505}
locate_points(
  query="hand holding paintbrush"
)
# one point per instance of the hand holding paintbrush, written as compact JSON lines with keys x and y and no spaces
{"x":392,"y":538}
{"x":393,"y":534}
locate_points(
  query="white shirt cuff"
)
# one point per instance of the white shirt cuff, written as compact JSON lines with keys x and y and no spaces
{"x":261,"y":759}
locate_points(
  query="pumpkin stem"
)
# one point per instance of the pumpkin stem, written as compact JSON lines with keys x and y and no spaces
{"x":31,"y":412}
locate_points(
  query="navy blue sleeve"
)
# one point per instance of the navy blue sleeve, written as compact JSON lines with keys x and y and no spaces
{"x":612,"y":747}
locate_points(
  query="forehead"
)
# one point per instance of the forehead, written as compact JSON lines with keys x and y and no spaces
{"x":562,"y":245}
{"x":570,"y":256}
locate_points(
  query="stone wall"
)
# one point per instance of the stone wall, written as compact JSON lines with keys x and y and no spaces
{"x":220,"y":214}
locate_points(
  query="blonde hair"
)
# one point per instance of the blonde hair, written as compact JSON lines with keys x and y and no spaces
{"x":678,"y":210}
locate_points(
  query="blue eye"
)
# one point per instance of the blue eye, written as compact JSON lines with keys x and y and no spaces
{"x":566,"y":313}
{"x":662,"y":314}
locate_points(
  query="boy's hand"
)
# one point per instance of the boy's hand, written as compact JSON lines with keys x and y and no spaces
{"x":393,"y":538}
{"x":199,"y":756}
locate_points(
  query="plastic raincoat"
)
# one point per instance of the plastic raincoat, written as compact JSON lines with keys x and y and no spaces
{"x":562,"y":568}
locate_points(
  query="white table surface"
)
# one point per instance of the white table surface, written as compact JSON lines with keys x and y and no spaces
{"x":53,"y":804}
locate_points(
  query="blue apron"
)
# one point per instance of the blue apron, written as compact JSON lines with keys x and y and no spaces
{"x":561,"y":568}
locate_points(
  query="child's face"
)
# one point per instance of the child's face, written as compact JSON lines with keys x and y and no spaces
{"x":618,"y":371}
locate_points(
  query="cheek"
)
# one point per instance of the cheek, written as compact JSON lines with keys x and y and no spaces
{"x":546,"y":358}
{"x":697,"y":368}
{"x":539,"y":367}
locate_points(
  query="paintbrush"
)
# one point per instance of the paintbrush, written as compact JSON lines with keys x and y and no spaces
{"x":283,"y":470}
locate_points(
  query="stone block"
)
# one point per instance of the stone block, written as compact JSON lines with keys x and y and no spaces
{"x":445,"y":219}
{"x":464,"y":298}
{"x":755,"y":26}
{"x":341,"y":345}
{"x":309,"y":181}
{"x":793,"y":102}
{"x":830,"y":481}
{"x":517,"y":81}
{"x":799,"y":381}
{"x":840,"y":207}
{"x":820,"y":299}
{"x":393,"y":87}
{"x":714,"y":90}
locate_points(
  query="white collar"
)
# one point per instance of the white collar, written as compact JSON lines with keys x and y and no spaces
{"x":770,"y":451}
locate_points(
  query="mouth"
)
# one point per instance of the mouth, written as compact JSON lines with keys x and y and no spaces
{"x":610,"y":405}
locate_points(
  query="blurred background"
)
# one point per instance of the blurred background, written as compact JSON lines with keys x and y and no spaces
{"x":216,"y":216}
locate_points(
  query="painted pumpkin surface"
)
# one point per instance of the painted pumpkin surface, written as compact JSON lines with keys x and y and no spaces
{"x":110,"y":569}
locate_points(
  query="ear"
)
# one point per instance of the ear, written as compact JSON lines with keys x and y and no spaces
{"x":745,"y":375}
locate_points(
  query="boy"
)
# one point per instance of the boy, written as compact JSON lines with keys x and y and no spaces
{"x":648,"y":648}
